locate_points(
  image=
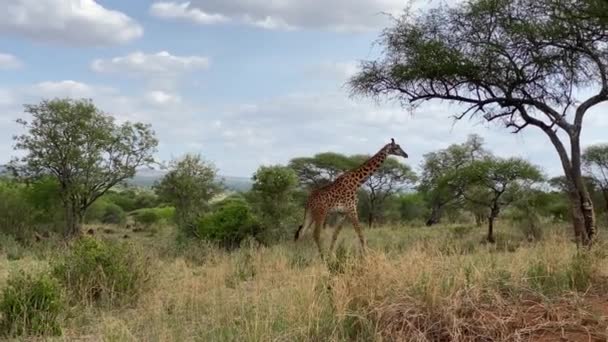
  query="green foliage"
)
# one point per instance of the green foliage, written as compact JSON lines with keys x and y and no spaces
{"x":16,"y":212}
{"x":229,"y":225}
{"x":272,"y":198}
{"x":31,"y":305}
{"x":166,"y":214}
{"x":103,"y":272}
{"x":83,"y":149}
{"x":147,"y":217}
{"x":103,"y":211}
{"x":439,"y":183}
{"x":44,"y":195}
{"x":132,"y":199}
{"x":320,"y":169}
{"x":113,"y":214}
{"x":189,"y":186}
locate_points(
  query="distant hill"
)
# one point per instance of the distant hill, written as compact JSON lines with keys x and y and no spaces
{"x":146,"y":178}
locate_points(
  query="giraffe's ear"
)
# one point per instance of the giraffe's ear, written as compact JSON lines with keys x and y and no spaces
{"x":392,"y":141}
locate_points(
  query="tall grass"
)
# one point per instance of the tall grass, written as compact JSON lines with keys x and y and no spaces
{"x":414,"y":284}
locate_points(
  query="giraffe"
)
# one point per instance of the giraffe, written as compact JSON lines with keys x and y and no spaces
{"x":341,"y":196}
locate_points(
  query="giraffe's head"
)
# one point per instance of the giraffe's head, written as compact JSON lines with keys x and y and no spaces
{"x":394,"y":149}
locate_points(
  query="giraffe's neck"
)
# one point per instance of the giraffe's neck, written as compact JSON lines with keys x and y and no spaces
{"x":363,"y":172}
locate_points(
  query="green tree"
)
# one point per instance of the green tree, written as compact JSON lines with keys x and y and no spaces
{"x":438,"y":182}
{"x":516,"y":62}
{"x":189,"y":186}
{"x":84,"y":149}
{"x":273,"y":197}
{"x":495,"y":183}
{"x":596,"y":165}
{"x":320,"y":169}
{"x":389,"y":179}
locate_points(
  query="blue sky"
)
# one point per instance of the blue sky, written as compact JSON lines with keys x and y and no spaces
{"x":243,"y":82}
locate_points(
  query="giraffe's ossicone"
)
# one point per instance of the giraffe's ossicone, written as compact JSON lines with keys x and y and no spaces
{"x":341,"y":196}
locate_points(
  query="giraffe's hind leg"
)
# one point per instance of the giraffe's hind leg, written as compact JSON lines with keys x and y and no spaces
{"x":334,"y":237}
{"x":317,"y":235}
{"x":354,"y":219}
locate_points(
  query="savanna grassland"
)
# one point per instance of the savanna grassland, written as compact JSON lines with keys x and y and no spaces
{"x":414,"y":284}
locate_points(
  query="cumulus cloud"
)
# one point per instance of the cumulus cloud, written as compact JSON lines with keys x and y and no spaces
{"x":239,"y":137}
{"x":335,"y":15}
{"x":8,"y":61}
{"x":154,"y":64}
{"x":183,"y":11}
{"x":338,"y":71}
{"x":70,"y":22}
{"x":159,"y":97}
{"x":65,"y":88}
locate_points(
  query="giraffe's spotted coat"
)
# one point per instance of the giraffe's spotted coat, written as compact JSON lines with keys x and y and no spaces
{"x":341,"y":196}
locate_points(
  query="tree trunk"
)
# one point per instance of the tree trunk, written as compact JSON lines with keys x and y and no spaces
{"x":73,"y":220}
{"x":493,"y":215}
{"x":583,"y":216}
{"x":435,"y":216}
{"x":491,"y":229}
{"x":370,"y":215}
{"x":605,"y":193}
{"x":584,"y":204}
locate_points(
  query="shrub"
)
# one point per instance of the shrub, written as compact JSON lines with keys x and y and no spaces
{"x":31,"y":306}
{"x":147,"y":217}
{"x":113,"y":214}
{"x":16,"y":213}
{"x":11,"y":247}
{"x":229,"y":224}
{"x":103,"y":272}
{"x":103,"y":211}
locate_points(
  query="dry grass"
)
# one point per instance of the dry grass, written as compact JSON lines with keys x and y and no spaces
{"x":413,"y":285}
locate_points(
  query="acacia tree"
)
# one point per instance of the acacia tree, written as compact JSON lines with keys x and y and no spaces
{"x":519,"y":62}
{"x":596,"y":165}
{"x":389,"y":179}
{"x":320,"y":169}
{"x":494,"y":183}
{"x":84,"y":149}
{"x":189,"y":186}
{"x":438,"y":182}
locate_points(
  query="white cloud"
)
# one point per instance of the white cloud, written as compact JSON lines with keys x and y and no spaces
{"x":159,"y":97}
{"x":71,"y":22}
{"x":66,"y":88}
{"x":239,"y":136}
{"x":160,"y":63}
{"x":8,"y":61}
{"x":183,"y":11}
{"x":339,"y":71}
{"x":335,"y":15}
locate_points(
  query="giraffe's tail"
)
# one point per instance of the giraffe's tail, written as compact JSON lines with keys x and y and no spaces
{"x":303,"y":227}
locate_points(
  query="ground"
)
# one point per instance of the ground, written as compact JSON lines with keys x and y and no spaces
{"x":414,"y":284}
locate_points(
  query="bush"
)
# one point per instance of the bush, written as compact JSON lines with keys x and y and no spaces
{"x":31,"y":306}
{"x":16,"y":213}
{"x":103,"y":211}
{"x":103,"y":272}
{"x":113,"y":214}
{"x":150,"y":216}
{"x":147,"y":218}
{"x":229,"y":225}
